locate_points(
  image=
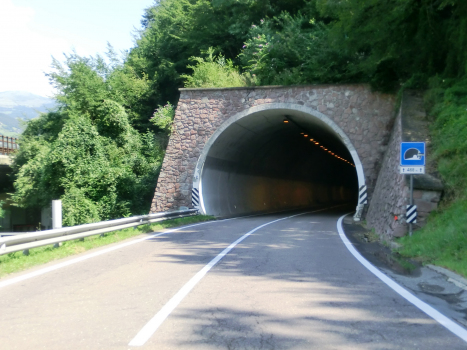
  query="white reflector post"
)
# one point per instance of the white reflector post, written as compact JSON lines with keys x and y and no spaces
{"x":56,"y":214}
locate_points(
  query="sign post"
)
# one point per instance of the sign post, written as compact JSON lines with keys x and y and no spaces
{"x":412,"y":162}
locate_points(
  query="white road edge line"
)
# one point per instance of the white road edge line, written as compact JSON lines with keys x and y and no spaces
{"x":427,"y":309}
{"x":151,"y":327}
{"x":92,"y":255}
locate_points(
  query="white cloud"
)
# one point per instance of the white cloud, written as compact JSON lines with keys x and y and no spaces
{"x":26,"y":53}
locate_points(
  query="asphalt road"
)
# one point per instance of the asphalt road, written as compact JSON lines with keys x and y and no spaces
{"x":289,"y":285}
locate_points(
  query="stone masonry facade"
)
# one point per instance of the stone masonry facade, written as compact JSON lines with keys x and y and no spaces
{"x":366,"y":117}
{"x":390,"y":196}
{"x":392,"y":191}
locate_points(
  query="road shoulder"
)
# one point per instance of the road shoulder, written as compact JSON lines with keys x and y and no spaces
{"x":440,"y":288}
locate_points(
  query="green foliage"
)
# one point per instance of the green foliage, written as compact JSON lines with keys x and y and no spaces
{"x":163,"y":117}
{"x":449,"y":133}
{"x":214,"y":71}
{"x":79,"y":208}
{"x":391,"y":41}
{"x":2,"y":211}
{"x":289,"y":50}
{"x":89,"y":153}
{"x":176,"y":30}
{"x":84,"y":82}
{"x":385,"y":43}
{"x":443,"y":241}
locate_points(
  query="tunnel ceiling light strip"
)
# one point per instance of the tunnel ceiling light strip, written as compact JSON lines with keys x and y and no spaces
{"x":287,"y":120}
{"x":326,"y":149}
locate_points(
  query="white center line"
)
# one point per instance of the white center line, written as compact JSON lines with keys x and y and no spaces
{"x":150,"y":328}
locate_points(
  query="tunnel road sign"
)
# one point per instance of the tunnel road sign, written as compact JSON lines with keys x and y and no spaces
{"x":412,"y":158}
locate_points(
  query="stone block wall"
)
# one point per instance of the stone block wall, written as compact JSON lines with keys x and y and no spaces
{"x":392,"y":191}
{"x":426,"y":201}
{"x":365,"y":116}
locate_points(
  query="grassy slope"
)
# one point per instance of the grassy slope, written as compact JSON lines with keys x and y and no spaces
{"x":15,"y":262}
{"x":443,"y":241}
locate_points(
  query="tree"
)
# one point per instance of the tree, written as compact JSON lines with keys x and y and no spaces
{"x":89,"y":152}
{"x":400,"y":41}
{"x":175,"y":30}
{"x":290,"y":49}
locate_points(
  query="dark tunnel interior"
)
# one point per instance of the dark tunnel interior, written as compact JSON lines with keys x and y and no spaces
{"x":276,"y":160}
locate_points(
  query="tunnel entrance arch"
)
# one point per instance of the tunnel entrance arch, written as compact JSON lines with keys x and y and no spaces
{"x":222,"y":160}
{"x":363,"y":116}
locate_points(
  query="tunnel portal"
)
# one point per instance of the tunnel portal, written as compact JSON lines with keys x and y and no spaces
{"x":275,"y":160}
{"x":230,"y":152}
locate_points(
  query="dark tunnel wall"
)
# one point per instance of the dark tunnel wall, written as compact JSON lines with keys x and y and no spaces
{"x":261,"y":164}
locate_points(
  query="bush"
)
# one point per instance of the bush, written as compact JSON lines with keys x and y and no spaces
{"x":88,"y":153}
{"x":214,"y":71}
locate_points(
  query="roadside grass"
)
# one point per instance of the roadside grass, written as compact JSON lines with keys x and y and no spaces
{"x":15,"y":262}
{"x":443,"y":241}
{"x":406,"y":265}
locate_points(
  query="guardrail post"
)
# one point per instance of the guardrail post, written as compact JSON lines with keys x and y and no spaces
{"x":57,"y":216}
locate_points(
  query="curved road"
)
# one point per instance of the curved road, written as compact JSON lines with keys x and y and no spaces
{"x":291,"y":284}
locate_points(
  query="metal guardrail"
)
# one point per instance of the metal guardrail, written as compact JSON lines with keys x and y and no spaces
{"x":14,"y":241}
{"x":8,"y":145}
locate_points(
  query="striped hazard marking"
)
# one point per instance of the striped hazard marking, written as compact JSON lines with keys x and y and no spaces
{"x":195,"y":197}
{"x":362,"y":195}
{"x":411,"y":214}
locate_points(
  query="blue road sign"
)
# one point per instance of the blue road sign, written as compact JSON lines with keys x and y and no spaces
{"x":412,"y":154}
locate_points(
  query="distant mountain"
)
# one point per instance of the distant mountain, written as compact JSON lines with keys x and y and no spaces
{"x":17,"y":106}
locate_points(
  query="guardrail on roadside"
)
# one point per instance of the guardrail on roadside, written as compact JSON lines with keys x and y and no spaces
{"x":15,"y":241}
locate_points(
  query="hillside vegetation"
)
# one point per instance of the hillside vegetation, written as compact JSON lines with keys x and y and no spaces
{"x":101,"y":150}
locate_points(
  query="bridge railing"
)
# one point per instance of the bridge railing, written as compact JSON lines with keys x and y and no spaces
{"x":8,"y":145}
{"x":17,"y":241}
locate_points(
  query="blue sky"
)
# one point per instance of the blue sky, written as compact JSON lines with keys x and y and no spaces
{"x":32,"y":31}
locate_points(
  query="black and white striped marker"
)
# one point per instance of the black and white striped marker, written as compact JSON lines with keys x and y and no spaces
{"x":411,"y":214}
{"x":362,"y":195}
{"x":195,"y":197}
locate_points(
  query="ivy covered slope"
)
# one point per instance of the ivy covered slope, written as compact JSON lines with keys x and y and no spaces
{"x":95,"y":152}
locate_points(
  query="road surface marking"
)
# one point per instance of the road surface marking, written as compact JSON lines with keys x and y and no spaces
{"x":92,"y":255}
{"x":150,"y":328}
{"x":430,"y":311}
